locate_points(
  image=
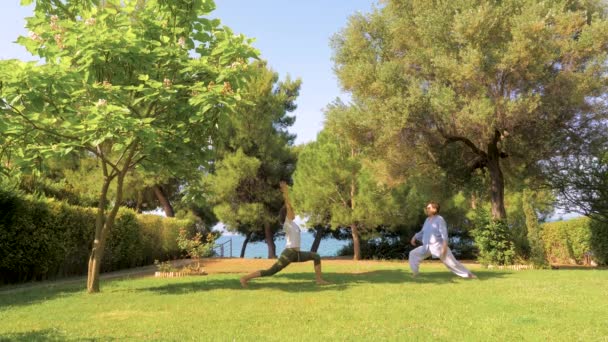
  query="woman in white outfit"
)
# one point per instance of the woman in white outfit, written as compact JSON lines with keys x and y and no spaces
{"x":434,"y":237}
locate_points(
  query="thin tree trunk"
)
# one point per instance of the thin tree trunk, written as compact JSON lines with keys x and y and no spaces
{"x":356,"y":242}
{"x":270,"y":241}
{"x":473,"y":201}
{"x":164,"y":201}
{"x":107,"y":227}
{"x":497,"y":182}
{"x":318,"y":236}
{"x":353,"y":226}
{"x":105,"y":224}
{"x":98,"y":242}
{"x":140,"y":200}
{"x":247,"y":237}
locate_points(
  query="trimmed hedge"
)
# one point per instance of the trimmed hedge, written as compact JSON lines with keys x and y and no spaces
{"x":567,"y":241}
{"x":42,"y":239}
{"x":599,"y":241}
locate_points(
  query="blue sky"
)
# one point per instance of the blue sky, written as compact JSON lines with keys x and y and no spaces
{"x":292,"y":35}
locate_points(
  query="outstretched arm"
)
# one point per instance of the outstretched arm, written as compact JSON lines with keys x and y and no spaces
{"x":285,"y":191}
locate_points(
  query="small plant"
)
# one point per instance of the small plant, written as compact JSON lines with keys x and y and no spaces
{"x":196,"y":247}
{"x":164,"y":266}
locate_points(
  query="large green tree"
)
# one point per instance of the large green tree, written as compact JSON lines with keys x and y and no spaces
{"x":476,"y":84}
{"x":332,"y":184}
{"x":579,"y":173}
{"x":254,"y":155}
{"x":134,"y":83}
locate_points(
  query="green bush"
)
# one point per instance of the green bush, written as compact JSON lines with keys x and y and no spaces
{"x":599,"y":241}
{"x":568,"y":242}
{"x":493,"y":240}
{"x":379,"y":249}
{"x":42,"y":239}
{"x":534,"y":234}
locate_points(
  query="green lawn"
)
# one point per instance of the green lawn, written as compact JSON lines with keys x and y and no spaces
{"x":369,"y":301}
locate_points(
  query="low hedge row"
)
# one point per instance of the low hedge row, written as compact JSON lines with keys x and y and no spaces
{"x":42,"y":239}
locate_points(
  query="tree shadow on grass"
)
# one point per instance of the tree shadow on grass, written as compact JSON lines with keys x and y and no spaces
{"x":578,"y":268}
{"x":304,"y":282}
{"x":397,"y":277}
{"x":28,"y":296}
{"x":38,"y":335}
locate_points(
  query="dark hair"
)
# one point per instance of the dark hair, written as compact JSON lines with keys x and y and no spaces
{"x":282,"y":214}
{"x":434,"y":205}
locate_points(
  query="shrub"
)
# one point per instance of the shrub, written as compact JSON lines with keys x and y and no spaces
{"x":493,"y":240}
{"x":42,"y":239}
{"x":537,"y":249}
{"x":568,"y":242}
{"x":599,"y":241}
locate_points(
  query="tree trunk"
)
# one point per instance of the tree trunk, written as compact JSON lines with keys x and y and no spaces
{"x":473,"y":201}
{"x":353,"y":226}
{"x":98,"y":242}
{"x":356,"y":242}
{"x":497,"y":182}
{"x":140,"y":201}
{"x":164,"y":201}
{"x":318,"y":236}
{"x":270,"y":241}
{"x":104,"y":225}
{"x":97,"y":253}
{"x":247,"y":237}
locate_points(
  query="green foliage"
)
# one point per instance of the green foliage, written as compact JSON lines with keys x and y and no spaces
{"x":470,"y":85}
{"x":164,"y":266}
{"x":109,"y":78}
{"x":196,"y":247}
{"x":41,"y":239}
{"x":493,"y":240}
{"x":580,"y":174}
{"x":537,"y":249}
{"x":234,"y":192}
{"x":137,"y":84}
{"x":599,"y":241}
{"x":384,"y":248}
{"x":254,"y":155}
{"x":566,"y":242}
{"x":322,"y":181}
{"x":60,"y":190}
{"x":332,"y":186}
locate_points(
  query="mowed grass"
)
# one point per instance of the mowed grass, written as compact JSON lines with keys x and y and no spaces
{"x":371,"y":301}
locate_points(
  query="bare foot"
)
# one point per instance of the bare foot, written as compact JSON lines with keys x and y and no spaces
{"x":322,"y":282}
{"x":414,"y":275}
{"x":244,"y":282}
{"x":472,"y":276}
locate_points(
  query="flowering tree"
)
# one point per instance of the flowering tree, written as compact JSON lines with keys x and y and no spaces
{"x":134,"y":83}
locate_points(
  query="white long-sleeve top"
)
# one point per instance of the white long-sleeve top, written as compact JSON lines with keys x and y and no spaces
{"x":434,"y":230}
{"x":292,"y":234}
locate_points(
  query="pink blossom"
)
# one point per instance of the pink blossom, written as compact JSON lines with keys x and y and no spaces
{"x":59,"y":41}
{"x":33,"y":35}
